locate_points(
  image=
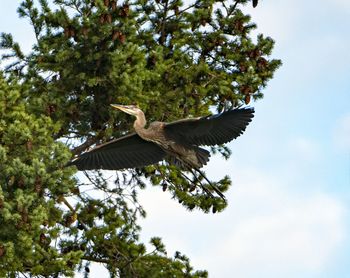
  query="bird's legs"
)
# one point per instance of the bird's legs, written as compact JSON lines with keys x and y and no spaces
{"x":208,"y":181}
{"x":193,"y":171}
{"x":200,"y":184}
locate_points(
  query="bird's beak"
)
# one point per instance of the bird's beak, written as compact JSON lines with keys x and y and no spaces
{"x":117,"y":106}
{"x":121,"y":107}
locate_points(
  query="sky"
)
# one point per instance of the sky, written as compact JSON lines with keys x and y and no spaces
{"x":289,"y":206}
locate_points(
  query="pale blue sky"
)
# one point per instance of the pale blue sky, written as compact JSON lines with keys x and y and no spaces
{"x":289,"y":207}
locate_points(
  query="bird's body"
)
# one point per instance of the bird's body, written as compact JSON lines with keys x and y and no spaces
{"x":178,"y":142}
{"x":179,"y":154}
{"x":155,"y":134}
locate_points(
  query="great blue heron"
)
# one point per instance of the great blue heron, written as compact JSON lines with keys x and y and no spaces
{"x":178,"y":142}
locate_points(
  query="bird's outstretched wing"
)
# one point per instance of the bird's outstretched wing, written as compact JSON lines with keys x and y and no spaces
{"x":210,"y":130}
{"x":126,"y":152}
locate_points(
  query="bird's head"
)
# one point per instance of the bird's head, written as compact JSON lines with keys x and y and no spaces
{"x":129,"y":109}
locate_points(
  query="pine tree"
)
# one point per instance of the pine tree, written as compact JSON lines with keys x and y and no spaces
{"x":174,"y":60}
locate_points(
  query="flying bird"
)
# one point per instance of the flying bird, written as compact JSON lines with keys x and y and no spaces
{"x":177,"y":142}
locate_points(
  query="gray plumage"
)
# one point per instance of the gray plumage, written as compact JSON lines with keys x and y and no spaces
{"x":179,"y":142}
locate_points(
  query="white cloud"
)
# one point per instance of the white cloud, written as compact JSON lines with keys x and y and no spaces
{"x":301,"y":236}
{"x":268,"y":230}
{"x":341,"y":134}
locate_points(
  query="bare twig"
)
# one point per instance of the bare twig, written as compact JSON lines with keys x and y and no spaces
{"x":97,"y":260}
{"x":234,"y":7}
{"x":181,"y":12}
{"x":68,"y":204}
{"x":162,"y":31}
{"x":85,"y":145}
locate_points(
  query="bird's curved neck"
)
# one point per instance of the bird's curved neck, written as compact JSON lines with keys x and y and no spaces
{"x":140,"y":122}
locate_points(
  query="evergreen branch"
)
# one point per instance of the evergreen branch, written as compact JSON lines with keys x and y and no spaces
{"x":89,"y":72}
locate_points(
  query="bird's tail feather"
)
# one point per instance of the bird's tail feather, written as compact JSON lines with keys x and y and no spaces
{"x":202,"y":156}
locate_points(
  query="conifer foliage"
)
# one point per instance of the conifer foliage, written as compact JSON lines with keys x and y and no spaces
{"x":173,"y":58}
